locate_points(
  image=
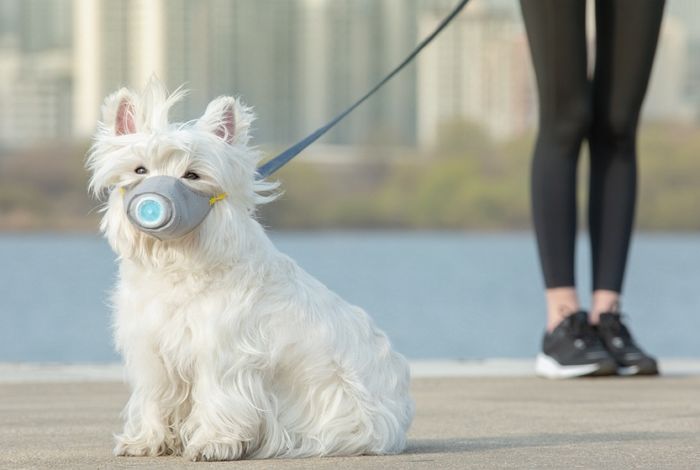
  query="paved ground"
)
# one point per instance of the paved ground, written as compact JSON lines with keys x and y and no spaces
{"x":467,"y":422}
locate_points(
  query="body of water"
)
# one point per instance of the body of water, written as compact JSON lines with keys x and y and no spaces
{"x":437,"y":295}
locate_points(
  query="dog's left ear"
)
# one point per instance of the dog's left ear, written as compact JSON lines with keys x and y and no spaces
{"x":118,"y":112}
{"x":227,"y":118}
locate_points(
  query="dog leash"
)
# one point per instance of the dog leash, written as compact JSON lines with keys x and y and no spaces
{"x":283,"y":158}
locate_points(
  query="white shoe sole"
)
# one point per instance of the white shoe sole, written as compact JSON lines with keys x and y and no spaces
{"x":631,"y":370}
{"x":547,"y":367}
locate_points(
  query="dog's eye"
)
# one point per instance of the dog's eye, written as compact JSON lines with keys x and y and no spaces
{"x":191,"y":175}
{"x":141,"y":170}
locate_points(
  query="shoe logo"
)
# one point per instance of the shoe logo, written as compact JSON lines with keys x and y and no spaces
{"x":617,"y":342}
{"x":579,"y":344}
{"x":632,"y":356}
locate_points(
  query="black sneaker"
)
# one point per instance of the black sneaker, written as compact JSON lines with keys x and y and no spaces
{"x":631,"y":360}
{"x":573,"y":349}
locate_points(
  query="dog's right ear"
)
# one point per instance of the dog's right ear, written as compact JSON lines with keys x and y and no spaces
{"x":119,"y":113}
{"x":227,"y":118}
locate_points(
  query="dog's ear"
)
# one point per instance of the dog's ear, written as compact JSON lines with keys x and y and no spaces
{"x":119,"y":113}
{"x":227,"y":118}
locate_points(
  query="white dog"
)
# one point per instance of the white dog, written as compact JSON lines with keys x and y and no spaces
{"x":231,"y":349}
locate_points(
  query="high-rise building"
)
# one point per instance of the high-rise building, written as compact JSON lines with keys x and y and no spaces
{"x":477,"y":71}
{"x":298,"y":63}
{"x":688,"y":13}
{"x":35,"y":71}
{"x":116,"y":43}
{"x":692,"y":88}
{"x":363,"y":41}
{"x":241,"y":48}
{"x":667,"y":98}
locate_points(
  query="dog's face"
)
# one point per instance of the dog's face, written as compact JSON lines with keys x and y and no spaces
{"x":210,"y":156}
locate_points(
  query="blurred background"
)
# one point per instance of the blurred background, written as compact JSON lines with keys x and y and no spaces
{"x":415,"y":207}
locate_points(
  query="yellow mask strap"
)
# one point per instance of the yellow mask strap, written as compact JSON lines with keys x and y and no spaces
{"x":219,"y":197}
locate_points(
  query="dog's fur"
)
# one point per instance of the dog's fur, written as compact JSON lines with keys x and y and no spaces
{"x":231,"y":349}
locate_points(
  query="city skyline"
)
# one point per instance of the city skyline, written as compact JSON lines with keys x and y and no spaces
{"x":298,"y":62}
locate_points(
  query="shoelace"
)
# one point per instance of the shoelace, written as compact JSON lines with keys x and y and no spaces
{"x":581,"y":330}
{"x":618,"y":328}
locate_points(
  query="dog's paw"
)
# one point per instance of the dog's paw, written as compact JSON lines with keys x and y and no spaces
{"x":214,"y":451}
{"x":123,"y":449}
{"x":136,"y":448}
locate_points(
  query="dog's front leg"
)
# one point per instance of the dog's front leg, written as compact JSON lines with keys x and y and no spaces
{"x":146,"y":427}
{"x":225,"y":420}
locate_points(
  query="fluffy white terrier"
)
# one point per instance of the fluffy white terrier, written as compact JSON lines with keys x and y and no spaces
{"x":231,"y":349}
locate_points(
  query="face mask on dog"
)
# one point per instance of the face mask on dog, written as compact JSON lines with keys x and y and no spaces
{"x":167,"y":208}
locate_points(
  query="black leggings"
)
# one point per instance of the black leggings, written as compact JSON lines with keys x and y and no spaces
{"x":605,"y":110}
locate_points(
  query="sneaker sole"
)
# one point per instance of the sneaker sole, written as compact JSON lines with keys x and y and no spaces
{"x":547,"y":367}
{"x":636,"y":370}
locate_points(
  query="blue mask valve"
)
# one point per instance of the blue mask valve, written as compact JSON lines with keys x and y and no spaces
{"x":152,"y":211}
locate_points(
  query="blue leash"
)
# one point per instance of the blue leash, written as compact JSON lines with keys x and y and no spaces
{"x":283,"y":158}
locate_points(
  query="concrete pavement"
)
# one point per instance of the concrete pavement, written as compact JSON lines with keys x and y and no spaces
{"x":461,"y":423}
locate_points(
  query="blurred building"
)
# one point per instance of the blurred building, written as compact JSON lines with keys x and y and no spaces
{"x":692,"y":87}
{"x":298,"y":63}
{"x":35,"y":71}
{"x":687,"y":13}
{"x":117,"y":43}
{"x":668,"y":97}
{"x":357,"y":42}
{"x":242,"y":48}
{"x":478,"y":70}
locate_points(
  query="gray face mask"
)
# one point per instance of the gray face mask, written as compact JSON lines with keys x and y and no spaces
{"x":166,"y":208}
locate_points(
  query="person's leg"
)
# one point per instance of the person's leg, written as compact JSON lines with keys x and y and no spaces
{"x":626,"y":36}
{"x":557,"y":37}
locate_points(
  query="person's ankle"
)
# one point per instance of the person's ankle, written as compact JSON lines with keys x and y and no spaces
{"x":555,"y":317}
{"x":561,"y":302}
{"x":604,"y":301}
